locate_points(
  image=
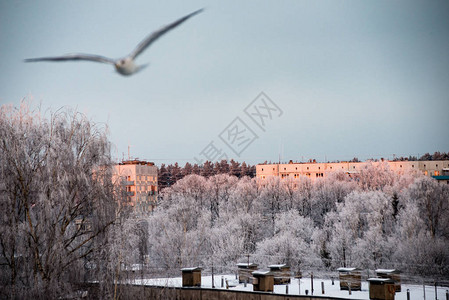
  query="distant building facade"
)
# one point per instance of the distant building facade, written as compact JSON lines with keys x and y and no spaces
{"x":313,"y":170}
{"x":139,"y":179}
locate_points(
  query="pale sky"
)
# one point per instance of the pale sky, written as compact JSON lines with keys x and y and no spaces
{"x":349,"y":78}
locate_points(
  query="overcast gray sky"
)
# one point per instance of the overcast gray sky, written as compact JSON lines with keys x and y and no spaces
{"x":348,"y":78}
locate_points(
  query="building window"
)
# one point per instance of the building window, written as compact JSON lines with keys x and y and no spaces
{"x":262,"y":169}
{"x":437,"y":173}
{"x":307,"y":168}
{"x":413,"y":166}
{"x":319,"y":168}
{"x":285,"y":169}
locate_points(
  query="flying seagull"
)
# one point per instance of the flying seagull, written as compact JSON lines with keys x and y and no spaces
{"x":124,"y":65}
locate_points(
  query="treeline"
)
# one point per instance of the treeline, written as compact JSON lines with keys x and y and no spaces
{"x":378,"y":219}
{"x":168,"y":175}
{"x":435,"y":156}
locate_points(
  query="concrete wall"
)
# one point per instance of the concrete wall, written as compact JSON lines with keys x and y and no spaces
{"x":157,"y":292}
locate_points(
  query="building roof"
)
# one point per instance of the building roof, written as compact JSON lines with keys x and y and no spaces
{"x":261,"y":272}
{"x":277,"y":266}
{"x":246,"y":265}
{"x":381,"y":280}
{"x":136,"y":162}
{"x":387,"y":271}
{"x":191,"y":269}
{"x":441,"y":177}
{"x":347,"y":269}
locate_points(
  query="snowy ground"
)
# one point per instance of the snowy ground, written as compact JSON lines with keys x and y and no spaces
{"x":296,"y":288}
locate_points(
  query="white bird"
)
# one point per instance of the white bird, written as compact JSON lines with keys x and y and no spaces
{"x":124,"y":65}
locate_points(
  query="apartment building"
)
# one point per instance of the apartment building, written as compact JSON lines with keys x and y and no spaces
{"x":313,"y":170}
{"x":139,"y":179}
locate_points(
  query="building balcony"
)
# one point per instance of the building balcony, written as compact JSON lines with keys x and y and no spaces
{"x":127,"y":183}
{"x":130,"y":194}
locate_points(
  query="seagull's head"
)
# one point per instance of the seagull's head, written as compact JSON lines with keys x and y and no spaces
{"x":126,"y":66}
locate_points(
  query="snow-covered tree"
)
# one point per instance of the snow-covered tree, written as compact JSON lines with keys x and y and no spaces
{"x":56,"y":197}
{"x":291,"y":243}
{"x":191,"y":188}
{"x":326,"y":194}
{"x":227,"y":242}
{"x":432,"y":198}
{"x":421,"y":233}
{"x":376,"y":177}
{"x":246,"y":196}
{"x":220,"y":188}
{"x":304,"y":195}
{"x":273,"y":199}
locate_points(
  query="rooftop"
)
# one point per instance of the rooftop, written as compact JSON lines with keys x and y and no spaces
{"x":136,"y":162}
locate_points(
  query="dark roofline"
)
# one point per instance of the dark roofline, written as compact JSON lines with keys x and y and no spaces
{"x":137,"y":162}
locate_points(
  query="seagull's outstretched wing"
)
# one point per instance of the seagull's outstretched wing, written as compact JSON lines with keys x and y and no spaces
{"x":158,"y":33}
{"x":78,"y":56}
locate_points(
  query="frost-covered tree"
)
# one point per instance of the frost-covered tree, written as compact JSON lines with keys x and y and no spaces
{"x":227,"y":243}
{"x":119,"y":258}
{"x":376,"y":177}
{"x":421,"y":233}
{"x":341,"y":242}
{"x":304,"y":195}
{"x":432,"y":198}
{"x":348,"y":224}
{"x":56,"y":197}
{"x":289,"y":187}
{"x":291,"y":243}
{"x":220,"y":188}
{"x":416,"y":250}
{"x":246,"y":196}
{"x":176,"y":239}
{"x":326,"y":194}
{"x":192,"y":188}
{"x":273,"y":199}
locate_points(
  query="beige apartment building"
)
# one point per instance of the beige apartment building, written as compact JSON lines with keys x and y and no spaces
{"x":313,"y":170}
{"x":140,"y":180}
